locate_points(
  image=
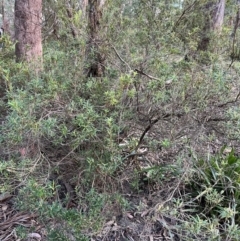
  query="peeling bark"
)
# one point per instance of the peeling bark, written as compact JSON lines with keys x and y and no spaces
{"x":95,"y":57}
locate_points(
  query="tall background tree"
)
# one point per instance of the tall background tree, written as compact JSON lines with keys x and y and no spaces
{"x":199,"y":26}
{"x":28,"y":33}
{"x":95,"y":57}
{"x":235,"y":51}
{"x":213,"y":20}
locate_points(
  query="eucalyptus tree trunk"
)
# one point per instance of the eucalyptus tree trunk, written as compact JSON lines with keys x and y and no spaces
{"x":95,"y":57}
{"x":3,"y":12}
{"x":237,"y":20}
{"x":28,"y":25}
{"x":235,"y":52}
{"x":218,"y":15}
{"x":214,"y":16}
{"x":5,"y":23}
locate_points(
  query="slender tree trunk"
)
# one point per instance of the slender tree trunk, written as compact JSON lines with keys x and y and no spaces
{"x":95,"y":58}
{"x":235,"y":51}
{"x":237,"y":20}
{"x":28,"y":21}
{"x":3,"y":12}
{"x":5,"y":25}
{"x":84,"y":4}
{"x":218,"y":15}
{"x":213,"y":22}
{"x":69,"y":10}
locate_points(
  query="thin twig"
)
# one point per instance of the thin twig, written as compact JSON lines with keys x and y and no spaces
{"x":231,"y":101}
{"x":133,"y":154}
{"x":152,"y":123}
{"x":183,"y":13}
{"x":149,"y":76}
{"x":146,"y":131}
{"x":122,"y":60}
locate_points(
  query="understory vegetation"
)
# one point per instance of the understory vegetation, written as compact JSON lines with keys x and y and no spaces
{"x":150,"y":151}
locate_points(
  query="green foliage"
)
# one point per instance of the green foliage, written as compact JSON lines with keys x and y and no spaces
{"x":40,"y":198}
{"x":222,"y":172}
{"x":59,"y":234}
{"x":215,"y":194}
{"x":21,"y":232}
{"x":63,"y":123}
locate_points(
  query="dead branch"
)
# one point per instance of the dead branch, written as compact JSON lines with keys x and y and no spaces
{"x":149,"y":76}
{"x":121,"y":59}
{"x":230,"y":102}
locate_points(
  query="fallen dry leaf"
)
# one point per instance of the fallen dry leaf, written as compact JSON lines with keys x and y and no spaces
{"x":129,"y":215}
{"x":4,"y":207}
{"x":110,"y":223}
{"x":35,"y":235}
{"x":144,"y":213}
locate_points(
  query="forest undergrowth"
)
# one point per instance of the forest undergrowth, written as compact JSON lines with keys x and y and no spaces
{"x":150,"y":151}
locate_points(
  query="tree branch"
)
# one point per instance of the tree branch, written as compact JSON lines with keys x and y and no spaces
{"x":122,"y":60}
{"x":230,"y":102}
{"x":149,"y":76}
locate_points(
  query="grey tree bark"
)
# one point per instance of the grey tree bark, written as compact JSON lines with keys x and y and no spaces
{"x":218,"y":15}
{"x":213,"y":22}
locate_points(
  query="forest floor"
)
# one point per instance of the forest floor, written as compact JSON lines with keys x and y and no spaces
{"x":146,"y":217}
{"x":145,"y":193}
